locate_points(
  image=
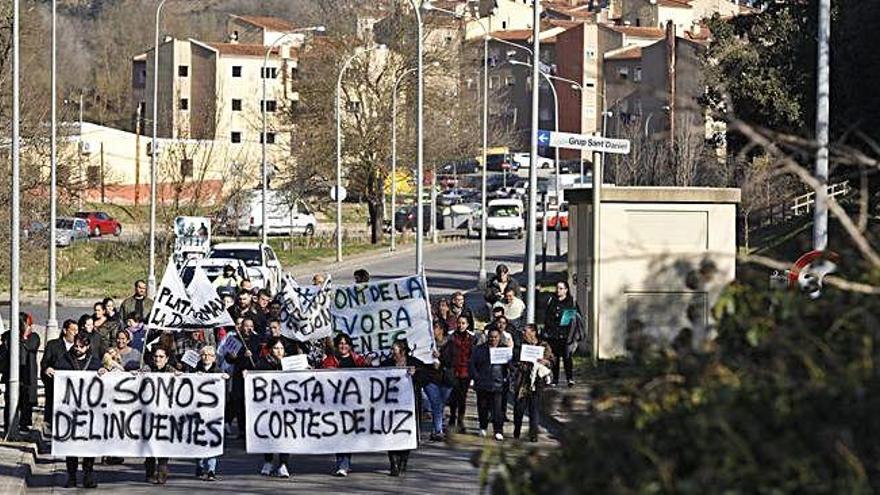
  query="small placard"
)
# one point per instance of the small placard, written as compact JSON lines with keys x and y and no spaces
{"x":191,"y":358}
{"x":531,"y":353}
{"x":567,"y":317}
{"x":500,"y":355}
{"x":296,"y":362}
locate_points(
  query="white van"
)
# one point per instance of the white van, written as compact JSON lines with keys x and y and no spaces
{"x":247,"y":214}
{"x":504,"y":218}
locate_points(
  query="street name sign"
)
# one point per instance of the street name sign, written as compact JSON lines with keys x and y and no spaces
{"x":583,"y":142}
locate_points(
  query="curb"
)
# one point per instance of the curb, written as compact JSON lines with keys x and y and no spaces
{"x":17,"y":465}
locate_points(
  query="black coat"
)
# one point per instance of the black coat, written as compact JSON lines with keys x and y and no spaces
{"x":242,"y":362}
{"x":52,"y":355}
{"x":69,"y":363}
{"x":28,"y":370}
{"x":269,"y":363}
{"x":487,"y":377}
{"x":493,"y":292}
{"x":553,"y":316}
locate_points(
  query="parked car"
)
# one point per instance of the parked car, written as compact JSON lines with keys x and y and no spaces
{"x":70,"y":230}
{"x":460,"y":167}
{"x":263,"y":267}
{"x":523,"y":160}
{"x":246,"y":213}
{"x":501,"y":162}
{"x":504,"y":218}
{"x":100,"y":223}
{"x":405,"y":218}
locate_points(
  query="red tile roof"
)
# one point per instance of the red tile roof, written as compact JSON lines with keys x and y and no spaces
{"x":266,"y":22}
{"x":629,"y":53}
{"x":640,"y":32}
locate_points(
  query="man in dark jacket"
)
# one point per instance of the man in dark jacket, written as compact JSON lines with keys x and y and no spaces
{"x":500,"y":283}
{"x":138,"y":303}
{"x":246,"y":359}
{"x":80,"y":358}
{"x":29,"y":345}
{"x":489,"y":380}
{"x":55,"y":350}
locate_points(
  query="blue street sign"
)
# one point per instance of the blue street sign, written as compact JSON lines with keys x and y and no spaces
{"x":543,"y":137}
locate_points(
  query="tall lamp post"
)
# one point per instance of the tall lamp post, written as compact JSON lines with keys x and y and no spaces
{"x":420,"y":136}
{"x":52,"y":321}
{"x":345,"y":66}
{"x":533,"y":169}
{"x":11,"y":409}
{"x":394,"y":154}
{"x":151,"y":277}
{"x":264,"y":110}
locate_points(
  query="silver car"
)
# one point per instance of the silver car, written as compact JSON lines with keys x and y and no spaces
{"x":70,"y":230}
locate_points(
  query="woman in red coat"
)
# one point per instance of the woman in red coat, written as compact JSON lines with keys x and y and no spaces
{"x":343,"y":357}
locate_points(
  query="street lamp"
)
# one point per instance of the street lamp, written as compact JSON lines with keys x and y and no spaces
{"x":420,"y":147}
{"x":11,"y":408}
{"x":52,"y":321}
{"x":533,"y":169}
{"x":345,"y":66}
{"x":151,"y":278}
{"x":264,"y":168}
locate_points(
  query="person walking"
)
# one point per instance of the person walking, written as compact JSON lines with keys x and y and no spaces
{"x":28,"y":346}
{"x":559,"y":318}
{"x":528,"y":384}
{"x":80,"y":358}
{"x":439,"y":378}
{"x":137,"y":331}
{"x":401,"y":358}
{"x":291,"y":347}
{"x":244,"y":360}
{"x":206,"y":468}
{"x":513,"y":307}
{"x":229,"y":279}
{"x":274,"y":464}
{"x":55,"y":350}
{"x":489,"y":384}
{"x":443,"y":313}
{"x":156,"y":469}
{"x":86,"y":325}
{"x":103,"y":326}
{"x":462,"y":342}
{"x":496,"y":287}
{"x":138,"y":303}
{"x":129,"y":357}
{"x":113,"y":315}
{"x":458,"y":308}
{"x":343,"y":357}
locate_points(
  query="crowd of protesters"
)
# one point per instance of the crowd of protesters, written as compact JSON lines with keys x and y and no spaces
{"x":116,"y":339}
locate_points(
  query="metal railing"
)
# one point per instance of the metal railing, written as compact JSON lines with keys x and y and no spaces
{"x":804,"y":204}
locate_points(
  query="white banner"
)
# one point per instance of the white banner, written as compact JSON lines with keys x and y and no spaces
{"x":330,"y":411}
{"x":305,"y":314}
{"x":192,"y":308}
{"x":376,"y":314}
{"x":138,"y":415}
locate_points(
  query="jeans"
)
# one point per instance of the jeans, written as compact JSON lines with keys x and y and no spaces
{"x":88,"y":464}
{"x":206,"y":465}
{"x":343,"y":461}
{"x":283,"y":459}
{"x":151,"y":464}
{"x":459,"y":400}
{"x":489,"y":405}
{"x":532,"y":405}
{"x":560,"y":350}
{"x":437,"y":397}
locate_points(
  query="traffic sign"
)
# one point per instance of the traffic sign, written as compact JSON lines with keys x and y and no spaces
{"x":583,"y":142}
{"x":342,"y":192}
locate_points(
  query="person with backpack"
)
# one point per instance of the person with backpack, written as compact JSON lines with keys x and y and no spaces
{"x":559,"y":319}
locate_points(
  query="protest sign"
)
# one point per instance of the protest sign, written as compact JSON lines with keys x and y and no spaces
{"x":195,"y":307}
{"x":329,"y":411}
{"x":138,"y":415}
{"x":500,"y":355}
{"x":531,"y":353}
{"x":305,"y":311}
{"x":191,"y":358}
{"x":296,"y":362}
{"x":376,"y":314}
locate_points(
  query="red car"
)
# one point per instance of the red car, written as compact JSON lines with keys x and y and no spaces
{"x":100,"y":223}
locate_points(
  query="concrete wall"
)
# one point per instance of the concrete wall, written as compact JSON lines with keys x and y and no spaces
{"x":665,"y":255}
{"x":682,"y":19}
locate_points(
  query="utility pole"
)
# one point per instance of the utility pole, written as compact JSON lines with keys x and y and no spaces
{"x":533,"y":169}
{"x":52,"y":321}
{"x":11,"y":424}
{"x":820,"y":214}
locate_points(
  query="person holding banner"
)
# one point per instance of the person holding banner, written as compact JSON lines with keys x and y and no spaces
{"x":55,"y":350}
{"x":290,"y":346}
{"x":206,"y":468}
{"x":528,"y":385}
{"x":156,"y":469}
{"x":489,"y":374}
{"x":80,"y":358}
{"x":343,"y":357}
{"x":272,"y":362}
{"x":401,"y":358}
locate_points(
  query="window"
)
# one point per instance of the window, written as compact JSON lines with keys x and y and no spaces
{"x":623,"y":73}
{"x":590,"y":83}
{"x":494,"y":81}
{"x":492,"y":61}
{"x":353,"y":107}
{"x":236,"y":71}
{"x":183,"y":70}
{"x":184,"y":103}
{"x":186,"y":167}
{"x":270,"y":105}
{"x":236,"y":105}
{"x":294,"y":73}
{"x":637,"y":76}
{"x":268,"y":72}
{"x":235,"y":137}
{"x":510,"y":81}
{"x":270,"y":138}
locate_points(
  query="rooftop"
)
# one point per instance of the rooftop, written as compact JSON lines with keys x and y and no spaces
{"x":625,"y":53}
{"x":640,"y":32}
{"x":266,"y":22}
{"x":246,"y":50}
